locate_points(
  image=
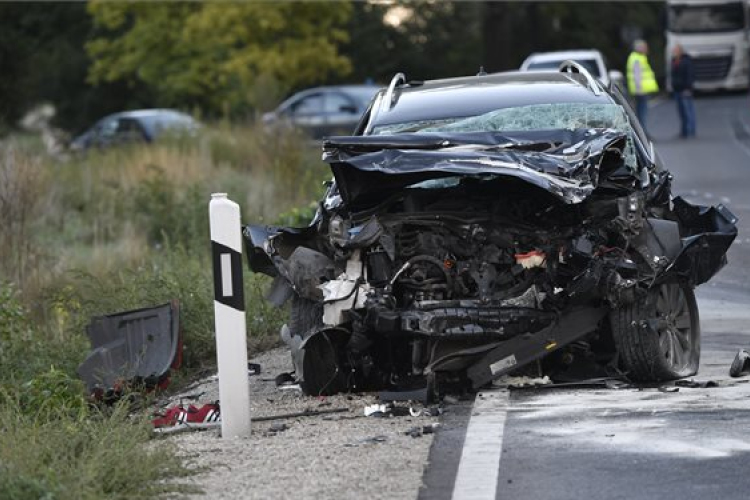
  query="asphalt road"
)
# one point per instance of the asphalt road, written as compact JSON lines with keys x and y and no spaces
{"x":630,"y":443}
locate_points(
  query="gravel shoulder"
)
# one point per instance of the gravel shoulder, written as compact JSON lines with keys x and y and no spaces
{"x":340,"y":455}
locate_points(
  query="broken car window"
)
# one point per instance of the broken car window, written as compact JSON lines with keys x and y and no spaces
{"x":555,"y":116}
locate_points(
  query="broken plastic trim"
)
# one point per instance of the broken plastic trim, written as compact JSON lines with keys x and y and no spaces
{"x":133,"y":348}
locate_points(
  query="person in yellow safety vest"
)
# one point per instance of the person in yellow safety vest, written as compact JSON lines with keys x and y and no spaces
{"x":641,"y":79}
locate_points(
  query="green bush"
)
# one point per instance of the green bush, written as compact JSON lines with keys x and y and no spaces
{"x":168,"y":215}
{"x":35,"y":368}
{"x":102,"y":456}
{"x":175,"y":273}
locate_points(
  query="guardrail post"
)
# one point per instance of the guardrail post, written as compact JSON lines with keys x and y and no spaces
{"x":229,"y":313}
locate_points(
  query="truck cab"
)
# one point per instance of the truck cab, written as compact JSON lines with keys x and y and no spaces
{"x":714,"y":33}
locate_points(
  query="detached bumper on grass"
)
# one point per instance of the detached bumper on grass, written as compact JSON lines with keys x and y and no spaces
{"x":132,"y":349}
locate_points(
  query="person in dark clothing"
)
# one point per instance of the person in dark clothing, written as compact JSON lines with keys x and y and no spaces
{"x":682,"y":88}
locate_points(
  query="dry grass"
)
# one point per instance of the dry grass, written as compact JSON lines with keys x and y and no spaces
{"x":135,"y":217}
{"x":106,"y":232}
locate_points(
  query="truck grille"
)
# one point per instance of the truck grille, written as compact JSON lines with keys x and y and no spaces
{"x":712,"y":67}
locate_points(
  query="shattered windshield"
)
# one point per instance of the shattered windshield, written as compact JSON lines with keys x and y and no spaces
{"x":555,"y":116}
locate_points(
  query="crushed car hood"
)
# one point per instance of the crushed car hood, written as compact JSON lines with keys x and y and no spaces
{"x":567,"y":164}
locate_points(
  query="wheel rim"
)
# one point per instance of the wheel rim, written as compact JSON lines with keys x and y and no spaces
{"x":676,"y":333}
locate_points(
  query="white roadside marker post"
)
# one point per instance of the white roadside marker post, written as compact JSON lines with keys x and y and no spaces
{"x":229,"y":313}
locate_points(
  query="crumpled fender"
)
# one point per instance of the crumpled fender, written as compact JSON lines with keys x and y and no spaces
{"x":708,"y":232}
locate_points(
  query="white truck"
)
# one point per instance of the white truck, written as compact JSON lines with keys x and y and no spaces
{"x":715,"y":34}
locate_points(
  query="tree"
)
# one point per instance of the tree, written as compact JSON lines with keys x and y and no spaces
{"x":431,"y":40}
{"x":43,"y":59}
{"x":211,"y":55}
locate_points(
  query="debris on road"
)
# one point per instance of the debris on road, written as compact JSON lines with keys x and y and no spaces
{"x":694,"y":384}
{"x":522,"y":381}
{"x":741,"y":364}
{"x":420,"y":431}
{"x":368,"y":440}
{"x":306,"y":413}
{"x":277,"y":427}
{"x":378,"y":410}
{"x":427,"y":411}
{"x":668,"y":388}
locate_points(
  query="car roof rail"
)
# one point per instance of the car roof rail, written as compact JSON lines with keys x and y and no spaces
{"x":387,"y":103}
{"x":574,"y":67}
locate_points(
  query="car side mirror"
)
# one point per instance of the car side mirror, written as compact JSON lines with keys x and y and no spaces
{"x":347,"y":108}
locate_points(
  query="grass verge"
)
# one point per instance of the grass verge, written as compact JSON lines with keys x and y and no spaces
{"x":107,"y":232}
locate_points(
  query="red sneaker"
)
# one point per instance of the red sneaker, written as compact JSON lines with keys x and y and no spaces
{"x":206,"y":414}
{"x":173,"y":416}
{"x":178,"y":419}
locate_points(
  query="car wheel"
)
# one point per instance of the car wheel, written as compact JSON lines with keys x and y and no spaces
{"x":658,"y":338}
{"x":323,"y":368}
{"x":322,"y":372}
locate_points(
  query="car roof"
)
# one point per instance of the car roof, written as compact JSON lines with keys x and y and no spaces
{"x":341,"y":88}
{"x":564,"y":54}
{"x":475,"y":95}
{"x":145,"y":113}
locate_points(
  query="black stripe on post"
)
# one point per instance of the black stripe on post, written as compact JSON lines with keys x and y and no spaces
{"x":232,"y":293}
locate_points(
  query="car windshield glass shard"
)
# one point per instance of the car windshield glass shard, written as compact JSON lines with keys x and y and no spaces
{"x":557,"y":116}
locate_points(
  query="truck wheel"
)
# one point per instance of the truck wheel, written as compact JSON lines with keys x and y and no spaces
{"x":658,"y":339}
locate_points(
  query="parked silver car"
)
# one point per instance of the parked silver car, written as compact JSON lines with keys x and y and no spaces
{"x":127,"y":127}
{"x":324,"y":111}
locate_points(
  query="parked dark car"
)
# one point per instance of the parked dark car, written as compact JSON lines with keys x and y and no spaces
{"x":127,"y":127}
{"x":324,"y":111}
{"x":516,"y":222}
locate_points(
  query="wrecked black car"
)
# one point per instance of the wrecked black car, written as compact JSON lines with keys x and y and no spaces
{"x":485,"y":225}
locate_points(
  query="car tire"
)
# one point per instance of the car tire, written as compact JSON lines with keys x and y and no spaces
{"x":658,"y":337}
{"x":322,"y":367}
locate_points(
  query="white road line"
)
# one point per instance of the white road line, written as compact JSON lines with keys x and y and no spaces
{"x":480,"y":459}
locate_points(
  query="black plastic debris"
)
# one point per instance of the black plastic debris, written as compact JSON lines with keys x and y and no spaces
{"x":694,"y":384}
{"x":427,"y":411}
{"x":285,"y":378}
{"x":132,"y":349}
{"x":253,"y":369}
{"x":741,"y":364}
{"x":367,"y":440}
{"x":420,"y":431}
{"x":669,"y":388}
{"x":305,"y":413}
{"x":277,"y":427}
